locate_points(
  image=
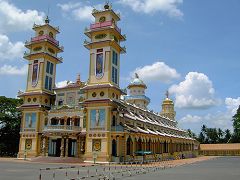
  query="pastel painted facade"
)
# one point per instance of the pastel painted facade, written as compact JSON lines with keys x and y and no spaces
{"x":93,"y":119}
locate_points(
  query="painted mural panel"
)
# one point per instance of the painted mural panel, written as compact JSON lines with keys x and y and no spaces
{"x":30,"y":120}
{"x":35,"y":72}
{"x":99,"y":65}
{"x":97,"y":117}
{"x":71,"y":98}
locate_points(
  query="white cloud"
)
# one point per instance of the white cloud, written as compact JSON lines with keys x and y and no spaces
{"x":13,"y":70}
{"x":158,"y":71}
{"x":221,"y":119}
{"x":15,"y":19}
{"x":196,"y":91}
{"x":79,"y":11}
{"x":62,"y":83}
{"x":190,"y":119}
{"x":69,"y":6}
{"x":232,"y":104}
{"x":169,"y":7}
{"x":9,"y":50}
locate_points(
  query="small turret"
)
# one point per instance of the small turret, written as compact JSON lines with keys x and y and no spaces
{"x":78,"y":79}
{"x":137,"y":93}
{"x":168,"y":108}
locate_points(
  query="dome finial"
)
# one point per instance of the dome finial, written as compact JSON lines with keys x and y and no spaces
{"x":78,"y":79}
{"x":106,"y":6}
{"x":136,"y":75}
{"x":47,"y":20}
{"x":167,"y":94}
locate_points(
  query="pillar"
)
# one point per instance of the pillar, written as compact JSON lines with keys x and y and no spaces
{"x":66,"y":149}
{"x":78,"y":147}
{"x":134,"y":146}
{"x":62,"y":147}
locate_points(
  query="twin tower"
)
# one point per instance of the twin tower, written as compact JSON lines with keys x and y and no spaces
{"x":102,"y":92}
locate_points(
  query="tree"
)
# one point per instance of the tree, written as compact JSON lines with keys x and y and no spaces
{"x":228,"y":136}
{"x":191,"y":134}
{"x":236,"y":127}
{"x":201,"y":138}
{"x":10,"y":119}
{"x":220,"y":135}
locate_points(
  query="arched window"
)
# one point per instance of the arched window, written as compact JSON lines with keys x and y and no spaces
{"x":114,"y":147}
{"x":51,"y":34}
{"x":114,"y":120}
{"x":128,"y":146}
{"x":40,"y":33}
{"x":139,"y":145}
{"x":68,"y":121}
{"x":54,"y":121}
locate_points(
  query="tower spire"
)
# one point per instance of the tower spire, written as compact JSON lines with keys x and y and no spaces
{"x":136,"y":75}
{"x":47,"y":20}
{"x":78,"y":80}
{"x":167,"y":94}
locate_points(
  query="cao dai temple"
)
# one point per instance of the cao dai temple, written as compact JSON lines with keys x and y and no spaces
{"x":93,"y":118}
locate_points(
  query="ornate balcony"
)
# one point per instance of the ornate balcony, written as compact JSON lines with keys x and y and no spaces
{"x":117,"y":128}
{"x":63,"y":128}
{"x":27,"y":54}
{"x":103,"y":25}
{"x":43,"y":38}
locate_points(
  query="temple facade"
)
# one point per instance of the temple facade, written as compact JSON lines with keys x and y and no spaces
{"x":95,"y":119}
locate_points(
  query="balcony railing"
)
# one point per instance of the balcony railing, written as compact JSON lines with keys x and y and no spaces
{"x":117,"y":128}
{"x":44,"y":37}
{"x":62,"y":128}
{"x":104,"y":24}
{"x":36,"y":52}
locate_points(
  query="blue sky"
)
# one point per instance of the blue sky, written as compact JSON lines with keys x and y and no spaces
{"x":189,"y":47}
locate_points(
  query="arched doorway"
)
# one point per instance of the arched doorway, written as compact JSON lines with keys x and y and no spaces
{"x":129,"y":146}
{"x":165,"y":147}
{"x":114,"y":148}
{"x":139,"y":144}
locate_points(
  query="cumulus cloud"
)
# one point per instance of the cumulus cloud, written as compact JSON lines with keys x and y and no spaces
{"x":169,"y":7}
{"x":220,"y":119}
{"x":158,"y":71}
{"x":13,"y":70}
{"x":62,"y":83}
{"x":196,"y":91}
{"x":9,"y":50}
{"x":79,"y":11}
{"x":190,"y":119}
{"x":15,"y":19}
{"x":232,"y":104}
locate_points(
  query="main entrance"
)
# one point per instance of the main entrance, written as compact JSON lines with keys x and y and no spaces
{"x":68,"y":148}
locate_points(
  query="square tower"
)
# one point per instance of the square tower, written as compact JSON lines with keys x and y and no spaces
{"x":102,"y":89}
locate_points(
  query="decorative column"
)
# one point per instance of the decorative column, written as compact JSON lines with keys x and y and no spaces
{"x":62,"y":148}
{"x":134,"y":146}
{"x":117,"y":144}
{"x":65,"y":122}
{"x":66,"y":149}
{"x":78,"y":147}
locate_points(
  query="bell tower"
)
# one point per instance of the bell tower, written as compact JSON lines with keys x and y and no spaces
{"x":42,"y":58}
{"x":102,"y":89}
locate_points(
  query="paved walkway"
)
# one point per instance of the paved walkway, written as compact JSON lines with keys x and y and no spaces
{"x":202,"y":168}
{"x":220,"y":168}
